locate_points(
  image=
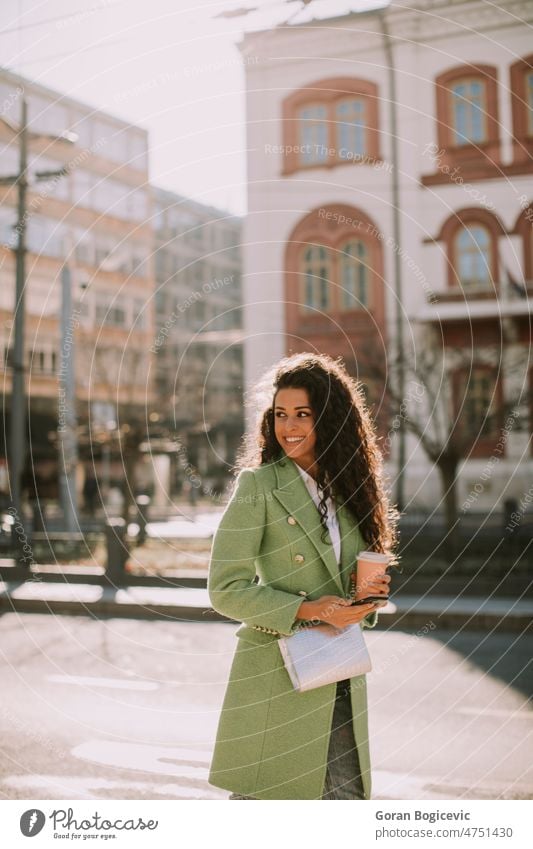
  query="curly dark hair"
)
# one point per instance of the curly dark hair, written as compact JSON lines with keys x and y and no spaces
{"x":349,"y":460}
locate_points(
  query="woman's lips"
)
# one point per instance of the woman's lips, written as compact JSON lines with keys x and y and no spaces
{"x":294,"y":440}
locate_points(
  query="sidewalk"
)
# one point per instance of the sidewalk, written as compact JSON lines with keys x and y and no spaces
{"x":192,"y":604}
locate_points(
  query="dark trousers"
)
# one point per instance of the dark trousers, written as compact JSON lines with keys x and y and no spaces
{"x":343,"y":776}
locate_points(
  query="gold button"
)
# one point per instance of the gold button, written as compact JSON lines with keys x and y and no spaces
{"x":299,"y":558}
{"x":291,"y":520}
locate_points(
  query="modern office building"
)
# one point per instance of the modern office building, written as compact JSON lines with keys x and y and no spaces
{"x":96,"y":219}
{"x":198,"y":333}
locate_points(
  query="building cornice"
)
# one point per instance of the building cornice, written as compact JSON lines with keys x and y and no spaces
{"x":423,"y":22}
{"x":430,"y":21}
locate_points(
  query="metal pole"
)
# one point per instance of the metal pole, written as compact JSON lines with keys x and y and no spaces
{"x":399,"y":495}
{"x":106,"y":470}
{"x":18,"y":403}
{"x":67,"y":422}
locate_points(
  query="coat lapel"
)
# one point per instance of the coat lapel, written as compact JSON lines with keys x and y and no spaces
{"x":293,"y":495}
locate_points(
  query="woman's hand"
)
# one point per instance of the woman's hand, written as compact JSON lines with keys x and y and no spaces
{"x":334,"y":610}
{"x":379,"y":586}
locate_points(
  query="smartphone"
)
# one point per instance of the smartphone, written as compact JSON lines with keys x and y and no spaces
{"x":372,"y":599}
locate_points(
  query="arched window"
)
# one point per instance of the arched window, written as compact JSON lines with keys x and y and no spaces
{"x":468,"y":111}
{"x":316,"y":271}
{"x":470,"y":236}
{"x":351,"y":119}
{"x":354,"y":275}
{"x":334,"y":289}
{"x":467,"y":119}
{"x":330,"y":122}
{"x":473,"y":256}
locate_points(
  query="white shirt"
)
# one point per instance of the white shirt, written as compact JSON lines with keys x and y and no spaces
{"x":331,"y":518}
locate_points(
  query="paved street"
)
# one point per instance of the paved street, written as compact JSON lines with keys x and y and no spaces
{"x":127,"y":709}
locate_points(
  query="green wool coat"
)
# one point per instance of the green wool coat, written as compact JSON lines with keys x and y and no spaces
{"x":272,"y":742}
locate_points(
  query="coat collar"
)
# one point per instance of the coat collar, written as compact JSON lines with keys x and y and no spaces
{"x":293,"y":495}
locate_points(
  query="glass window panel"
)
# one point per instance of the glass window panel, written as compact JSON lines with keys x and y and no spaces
{"x":316,"y":271}
{"x":47,"y":117}
{"x":10,"y":101}
{"x":110,"y":311}
{"x":138,"y":205}
{"x":473,"y":256}
{"x":354,"y":275}
{"x":9,"y":159}
{"x":468,"y":111}
{"x":529,"y":102}
{"x":44,"y":236}
{"x":351,"y":128}
{"x":313,"y":131}
{"x":138,"y":152}
{"x":84,"y":247}
{"x":8,"y":222}
{"x":84,"y":128}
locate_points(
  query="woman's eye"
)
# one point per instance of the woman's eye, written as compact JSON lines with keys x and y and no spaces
{"x":301,"y":413}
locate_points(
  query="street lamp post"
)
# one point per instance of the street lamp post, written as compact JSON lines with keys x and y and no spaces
{"x":397,"y":236}
{"x":18,"y":404}
{"x":17,"y":453}
{"x":68,"y":444}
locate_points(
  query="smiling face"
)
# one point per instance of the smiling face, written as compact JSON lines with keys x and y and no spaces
{"x":294,"y":426}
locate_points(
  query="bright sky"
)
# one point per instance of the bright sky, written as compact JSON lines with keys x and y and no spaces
{"x":167,"y":65}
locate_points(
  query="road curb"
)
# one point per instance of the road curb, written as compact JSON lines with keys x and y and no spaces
{"x":110,"y":602}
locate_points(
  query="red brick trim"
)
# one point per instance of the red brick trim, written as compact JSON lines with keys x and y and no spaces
{"x":522,"y":139}
{"x":328,"y":92}
{"x":486,"y":171}
{"x":524,"y":228}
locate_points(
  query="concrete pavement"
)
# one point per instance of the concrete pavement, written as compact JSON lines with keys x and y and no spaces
{"x":96,"y":708}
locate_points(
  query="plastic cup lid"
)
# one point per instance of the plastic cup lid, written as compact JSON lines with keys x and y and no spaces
{"x":374,"y":555}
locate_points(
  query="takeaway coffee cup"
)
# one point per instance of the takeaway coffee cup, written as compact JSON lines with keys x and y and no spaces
{"x":370,"y":564}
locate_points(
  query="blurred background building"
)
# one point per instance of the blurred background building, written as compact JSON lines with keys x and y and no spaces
{"x":401,"y":238}
{"x":198,"y":334}
{"x":96,"y":216}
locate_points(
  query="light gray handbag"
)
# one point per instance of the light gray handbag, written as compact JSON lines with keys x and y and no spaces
{"x":324,"y":654}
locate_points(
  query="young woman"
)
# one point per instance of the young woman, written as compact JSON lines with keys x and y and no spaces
{"x":308,"y":498}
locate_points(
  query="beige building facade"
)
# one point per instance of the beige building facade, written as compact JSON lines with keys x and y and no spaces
{"x":324,"y":253}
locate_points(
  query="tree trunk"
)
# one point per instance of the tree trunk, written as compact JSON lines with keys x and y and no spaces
{"x":447,"y":467}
